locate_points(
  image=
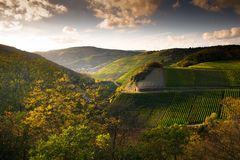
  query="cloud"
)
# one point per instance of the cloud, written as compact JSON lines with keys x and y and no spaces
{"x":218,"y":5}
{"x":68,"y":29}
{"x":10,"y":26}
{"x":17,"y":11}
{"x":176,"y":4}
{"x":122,"y":14}
{"x":222,"y":34}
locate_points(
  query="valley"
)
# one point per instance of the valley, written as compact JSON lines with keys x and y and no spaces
{"x":186,"y":94}
{"x":130,"y":96}
{"x":119,"y":80}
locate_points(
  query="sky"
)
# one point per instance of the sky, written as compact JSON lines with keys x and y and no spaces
{"x":41,"y":25}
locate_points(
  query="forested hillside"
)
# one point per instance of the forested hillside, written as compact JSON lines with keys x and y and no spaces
{"x":21,"y":72}
{"x":39,"y":98}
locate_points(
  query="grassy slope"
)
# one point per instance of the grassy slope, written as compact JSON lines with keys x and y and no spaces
{"x":219,"y":73}
{"x":185,"y":77}
{"x":151,"y":109}
{"x":234,"y":64}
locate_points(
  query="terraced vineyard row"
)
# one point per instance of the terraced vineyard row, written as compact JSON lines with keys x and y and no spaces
{"x":152,"y":109}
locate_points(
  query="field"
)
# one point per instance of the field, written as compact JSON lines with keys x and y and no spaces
{"x":167,"y":108}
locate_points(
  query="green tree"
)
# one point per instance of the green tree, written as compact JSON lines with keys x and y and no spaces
{"x":75,"y":143}
{"x":165,"y":142}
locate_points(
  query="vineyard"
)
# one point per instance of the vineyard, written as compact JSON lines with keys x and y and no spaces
{"x":167,"y":108}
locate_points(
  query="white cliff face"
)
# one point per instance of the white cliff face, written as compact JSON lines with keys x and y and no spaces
{"x":153,"y":81}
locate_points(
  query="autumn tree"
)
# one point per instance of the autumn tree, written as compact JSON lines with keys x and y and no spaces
{"x":53,"y":109}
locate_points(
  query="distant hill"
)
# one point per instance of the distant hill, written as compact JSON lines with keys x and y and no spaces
{"x":86,"y":59}
{"x":21,"y":72}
